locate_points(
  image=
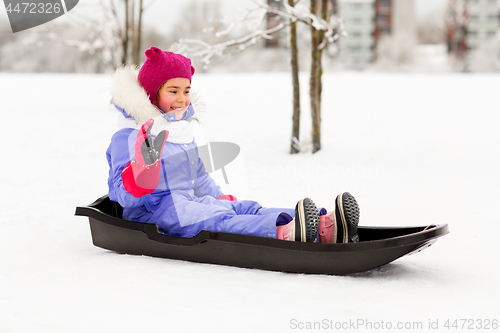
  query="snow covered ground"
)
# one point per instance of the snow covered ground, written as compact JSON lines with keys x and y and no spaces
{"x":414,"y":149}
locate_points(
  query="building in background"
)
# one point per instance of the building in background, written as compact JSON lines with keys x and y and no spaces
{"x":370,"y":22}
{"x":471,"y":24}
{"x":357,"y":49}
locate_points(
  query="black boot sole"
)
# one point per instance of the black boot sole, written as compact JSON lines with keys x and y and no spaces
{"x":306,"y":221}
{"x":347,"y":217}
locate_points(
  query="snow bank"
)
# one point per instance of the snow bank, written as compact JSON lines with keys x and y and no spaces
{"x":414,"y":150}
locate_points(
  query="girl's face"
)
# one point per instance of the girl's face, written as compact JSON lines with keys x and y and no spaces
{"x":173,"y":97}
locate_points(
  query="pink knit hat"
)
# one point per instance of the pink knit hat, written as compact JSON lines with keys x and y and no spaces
{"x":161,"y":66}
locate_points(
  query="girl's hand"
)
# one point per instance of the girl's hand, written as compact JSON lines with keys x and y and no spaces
{"x":141,"y":176}
{"x":147,"y":150}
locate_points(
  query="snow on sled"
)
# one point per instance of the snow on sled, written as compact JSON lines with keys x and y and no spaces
{"x":377,"y":246}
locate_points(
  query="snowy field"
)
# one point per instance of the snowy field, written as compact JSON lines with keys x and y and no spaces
{"x":414,"y":149}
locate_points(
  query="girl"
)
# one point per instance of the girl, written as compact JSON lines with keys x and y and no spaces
{"x":157,"y":176}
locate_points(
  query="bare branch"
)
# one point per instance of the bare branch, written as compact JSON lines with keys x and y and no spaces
{"x":237,"y":21}
{"x":333,"y":29}
{"x":205,"y":51}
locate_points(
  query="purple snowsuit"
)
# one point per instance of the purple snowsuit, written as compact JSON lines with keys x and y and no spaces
{"x":185,"y":202}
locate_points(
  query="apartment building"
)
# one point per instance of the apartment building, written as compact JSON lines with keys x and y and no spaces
{"x":367,"y":22}
{"x":359,"y":17}
{"x":470,"y":25}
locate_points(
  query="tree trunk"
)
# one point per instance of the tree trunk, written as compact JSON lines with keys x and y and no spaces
{"x":294,"y":147}
{"x":314,"y":82}
{"x":324,"y":16}
{"x":316,"y":86}
{"x":132,"y":32}
{"x":139,"y":34}
{"x":136,"y":46}
{"x":125,"y":35}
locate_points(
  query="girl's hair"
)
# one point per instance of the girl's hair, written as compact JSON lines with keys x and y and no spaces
{"x":158,"y":93}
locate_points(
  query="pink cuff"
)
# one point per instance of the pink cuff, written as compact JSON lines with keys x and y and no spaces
{"x":139,"y":179}
{"x":228,"y":197}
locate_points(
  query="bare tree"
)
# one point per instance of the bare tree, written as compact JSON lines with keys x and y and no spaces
{"x":318,"y":45}
{"x":294,"y":62}
{"x":114,"y":33}
{"x":101,"y":37}
{"x":127,"y":16}
{"x":327,"y":29}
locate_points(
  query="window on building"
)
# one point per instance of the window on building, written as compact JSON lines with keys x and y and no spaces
{"x":472,"y":33}
{"x":355,"y":34}
{"x":385,"y":4}
{"x":382,"y":20}
{"x":385,"y":31}
{"x":491,"y":33}
{"x":473,"y":18}
{"x":470,"y":48}
{"x":492,"y":18}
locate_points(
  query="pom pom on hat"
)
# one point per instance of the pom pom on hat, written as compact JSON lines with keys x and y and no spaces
{"x":150,"y":53}
{"x":161,"y":66}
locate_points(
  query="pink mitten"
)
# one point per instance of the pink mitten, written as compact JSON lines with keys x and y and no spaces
{"x":142,"y":175}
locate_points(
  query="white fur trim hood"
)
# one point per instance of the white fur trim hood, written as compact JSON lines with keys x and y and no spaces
{"x":128,"y":94}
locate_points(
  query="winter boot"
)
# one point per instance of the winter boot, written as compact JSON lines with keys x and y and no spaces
{"x":304,"y":227}
{"x":346,"y":219}
{"x":286,"y":232}
{"x":327,"y":228}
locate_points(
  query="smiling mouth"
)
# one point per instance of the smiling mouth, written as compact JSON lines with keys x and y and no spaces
{"x":176,"y":109}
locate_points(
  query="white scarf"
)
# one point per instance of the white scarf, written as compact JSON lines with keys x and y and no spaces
{"x":181,"y":131}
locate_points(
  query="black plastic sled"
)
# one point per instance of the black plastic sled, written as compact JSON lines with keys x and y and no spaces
{"x":377,"y":246}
